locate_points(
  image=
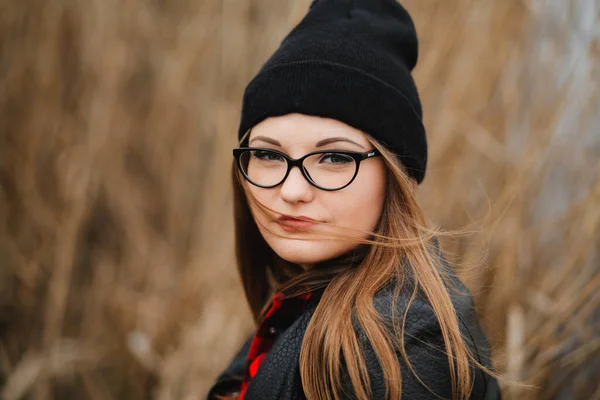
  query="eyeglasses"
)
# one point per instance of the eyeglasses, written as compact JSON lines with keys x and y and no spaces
{"x":325,"y":169}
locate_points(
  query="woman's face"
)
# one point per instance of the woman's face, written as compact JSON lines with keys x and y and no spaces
{"x":357,"y":206}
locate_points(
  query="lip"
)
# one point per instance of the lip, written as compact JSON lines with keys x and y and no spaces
{"x":294,"y":224}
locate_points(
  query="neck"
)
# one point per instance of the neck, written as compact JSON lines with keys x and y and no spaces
{"x":307,"y":267}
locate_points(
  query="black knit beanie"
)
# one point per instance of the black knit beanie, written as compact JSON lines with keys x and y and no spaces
{"x":349,"y":60}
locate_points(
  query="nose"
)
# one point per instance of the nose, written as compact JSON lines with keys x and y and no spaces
{"x":296,"y":188}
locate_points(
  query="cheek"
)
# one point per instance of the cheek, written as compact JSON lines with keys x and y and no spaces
{"x":264,"y":197}
{"x":361,"y":205}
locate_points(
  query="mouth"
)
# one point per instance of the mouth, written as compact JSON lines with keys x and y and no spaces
{"x":295,"y":224}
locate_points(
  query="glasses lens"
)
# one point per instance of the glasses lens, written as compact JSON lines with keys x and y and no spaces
{"x":330,"y":170}
{"x":263,"y":167}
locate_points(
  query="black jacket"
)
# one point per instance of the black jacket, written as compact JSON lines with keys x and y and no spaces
{"x":278,"y":377}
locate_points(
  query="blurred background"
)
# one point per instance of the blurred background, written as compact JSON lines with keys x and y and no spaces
{"x":117,"y":277}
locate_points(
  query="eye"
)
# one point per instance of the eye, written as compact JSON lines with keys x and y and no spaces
{"x":336,"y":159}
{"x":265,"y":155}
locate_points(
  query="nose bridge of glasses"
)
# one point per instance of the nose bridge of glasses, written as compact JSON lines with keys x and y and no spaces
{"x":295,"y":162}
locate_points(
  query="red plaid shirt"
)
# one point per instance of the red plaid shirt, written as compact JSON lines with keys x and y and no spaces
{"x":281,"y":315}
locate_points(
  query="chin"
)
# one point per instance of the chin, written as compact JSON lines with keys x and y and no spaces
{"x":305,"y":251}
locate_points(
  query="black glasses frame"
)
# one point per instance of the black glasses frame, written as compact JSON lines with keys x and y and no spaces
{"x":298,"y":162}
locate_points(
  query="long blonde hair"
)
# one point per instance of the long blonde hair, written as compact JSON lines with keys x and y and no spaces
{"x":400,"y":241}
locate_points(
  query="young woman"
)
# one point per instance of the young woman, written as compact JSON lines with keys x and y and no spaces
{"x":351,"y":294}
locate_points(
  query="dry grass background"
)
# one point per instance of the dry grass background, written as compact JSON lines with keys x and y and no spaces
{"x":117,"y":279}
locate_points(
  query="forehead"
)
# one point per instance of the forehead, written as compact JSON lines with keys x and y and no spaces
{"x":305,"y":130}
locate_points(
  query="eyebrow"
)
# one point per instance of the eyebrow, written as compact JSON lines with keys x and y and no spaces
{"x":327,"y":141}
{"x":320,"y":143}
{"x":267,"y":140}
